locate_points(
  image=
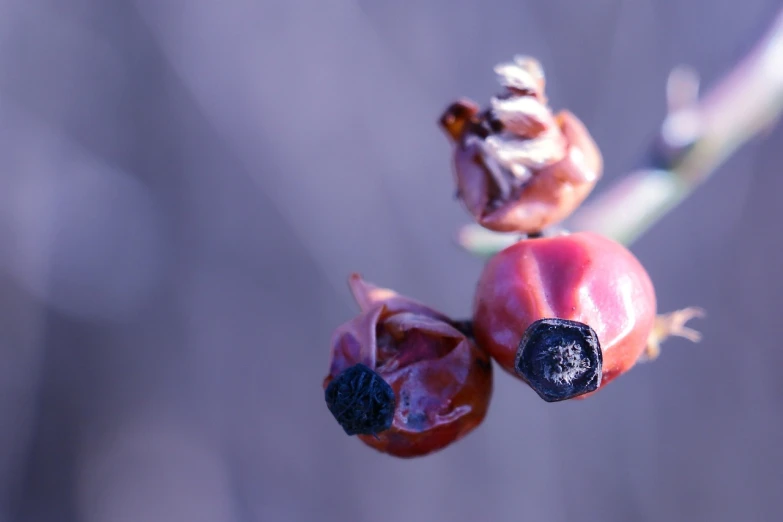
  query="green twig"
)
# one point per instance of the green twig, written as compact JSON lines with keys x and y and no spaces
{"x":696,"y":137}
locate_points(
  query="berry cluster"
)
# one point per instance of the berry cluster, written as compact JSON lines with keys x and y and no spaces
{"x":564,"y":312}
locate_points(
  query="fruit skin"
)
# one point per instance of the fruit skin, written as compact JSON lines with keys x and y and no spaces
{"x":441,"y":380}
{"x":580,"y":277}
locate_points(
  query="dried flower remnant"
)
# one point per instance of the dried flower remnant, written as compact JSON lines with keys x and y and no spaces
{"x":361,"y":401}
{"x":560,"y":359}
{"x":518,"y":167}
{"x":402,"y":377}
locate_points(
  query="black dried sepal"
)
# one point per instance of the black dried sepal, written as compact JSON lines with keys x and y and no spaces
{"x":560,"y":359}
{"x":361,"y":401}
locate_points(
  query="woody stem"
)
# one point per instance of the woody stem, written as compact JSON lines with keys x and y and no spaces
{"x":694,"y":140}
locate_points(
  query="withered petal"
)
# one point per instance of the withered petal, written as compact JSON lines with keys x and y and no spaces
{"x":457,"y":118}
{"x":472,"y":179}
{"x":405,"y":322}
{"x":548,"y":197}
{"x":368,"y":295}
{"x":355,"y":341}
{"x":455,"y":386}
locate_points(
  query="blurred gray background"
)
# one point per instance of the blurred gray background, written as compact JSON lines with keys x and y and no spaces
{"x":185,"y":186}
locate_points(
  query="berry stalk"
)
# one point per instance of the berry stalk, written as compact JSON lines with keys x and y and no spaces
{"x":696,"y":137}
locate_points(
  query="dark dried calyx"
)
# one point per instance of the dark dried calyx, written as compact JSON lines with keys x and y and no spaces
{"x":361,"y":401}
{"x":560,"y":359}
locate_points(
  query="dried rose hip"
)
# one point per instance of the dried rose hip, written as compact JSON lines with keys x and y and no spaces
{"x":518,"y":167}
{"x":402,"y":377}
{"x":570,"y":313}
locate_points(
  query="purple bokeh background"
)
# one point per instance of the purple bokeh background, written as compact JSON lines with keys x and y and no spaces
{"x":184,"y":187}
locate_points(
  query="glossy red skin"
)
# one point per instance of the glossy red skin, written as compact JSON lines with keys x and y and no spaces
{"x":582,"y":277}
{"x":442,"y":381}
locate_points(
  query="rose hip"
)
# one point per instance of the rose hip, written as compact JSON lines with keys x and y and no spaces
{"x":567,"y":314}
{"x":402,"y":377}
{"x":517,"y":166}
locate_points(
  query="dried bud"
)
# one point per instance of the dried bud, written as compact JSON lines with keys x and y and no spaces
{"x":402,"y":377}
{"x":518,"y":167}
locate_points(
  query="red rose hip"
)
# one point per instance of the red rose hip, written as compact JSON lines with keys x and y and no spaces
{"x":567,"y":314}
{"x":403,"y":377}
